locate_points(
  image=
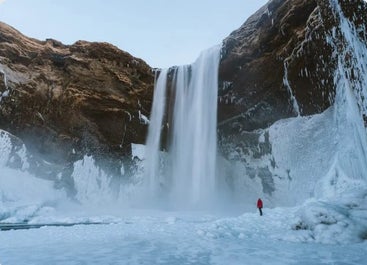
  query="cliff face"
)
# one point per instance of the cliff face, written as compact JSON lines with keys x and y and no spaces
{"x":66,"y":101}
{"x":279,"y":63}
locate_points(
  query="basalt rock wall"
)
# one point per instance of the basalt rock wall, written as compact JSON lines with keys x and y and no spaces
{"x":279,"y":64}
{"x":65,"y":101}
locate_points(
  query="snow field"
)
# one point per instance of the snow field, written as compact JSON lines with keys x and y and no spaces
{"x":177,"y":238}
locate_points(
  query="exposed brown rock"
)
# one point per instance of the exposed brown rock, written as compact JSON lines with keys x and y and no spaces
{"x":288,"y":47}
{"x":86,"y":96}
{"x":285,"y":39}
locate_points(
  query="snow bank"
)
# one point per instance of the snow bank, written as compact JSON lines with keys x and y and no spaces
{"x":337,"y":222}
{"x":12,"y":152}
{"x":328,"y":222}
{"x":138,"y":150}
{"x":22,"y":196}
{"x":91,"y":183}
{"x":303,"y":151}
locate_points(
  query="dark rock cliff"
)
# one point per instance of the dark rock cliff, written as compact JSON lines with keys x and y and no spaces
{"x":65,"y":101}
{"x":279,"y":64}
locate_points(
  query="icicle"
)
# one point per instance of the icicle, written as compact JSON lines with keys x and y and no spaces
{"x":350,"y":80}
{"x":288,"y":86}
{"x":6,"y":92}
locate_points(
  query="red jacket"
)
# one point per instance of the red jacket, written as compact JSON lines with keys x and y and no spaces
{"x":259,"y":203}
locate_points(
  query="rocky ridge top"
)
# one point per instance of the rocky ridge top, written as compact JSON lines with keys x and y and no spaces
{"x":65,"y":101}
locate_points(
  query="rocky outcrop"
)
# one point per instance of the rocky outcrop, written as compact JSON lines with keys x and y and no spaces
{"x":65,"y":101}
{"x":279,"y":63}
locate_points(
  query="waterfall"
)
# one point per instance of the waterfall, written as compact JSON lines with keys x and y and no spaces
{"x":194,"y":138}
{"x":189,"y":175}
{"x":152,"y":162}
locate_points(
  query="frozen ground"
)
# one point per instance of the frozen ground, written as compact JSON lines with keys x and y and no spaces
{"x":180,"y":238}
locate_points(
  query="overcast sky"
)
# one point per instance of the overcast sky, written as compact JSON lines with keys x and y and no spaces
{"x":161,"y":32}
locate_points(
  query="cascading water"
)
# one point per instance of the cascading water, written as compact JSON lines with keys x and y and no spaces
{"x":192,"y":134}
{"x":194,"y":140}
{"x":152,"y":162}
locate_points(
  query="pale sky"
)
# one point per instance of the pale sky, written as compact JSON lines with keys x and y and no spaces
{"x":161,"y":32}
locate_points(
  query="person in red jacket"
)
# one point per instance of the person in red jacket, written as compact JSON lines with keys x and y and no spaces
{"x":260,"y":206}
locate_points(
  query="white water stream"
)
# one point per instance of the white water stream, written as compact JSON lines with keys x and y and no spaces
{"x":190,"y":174}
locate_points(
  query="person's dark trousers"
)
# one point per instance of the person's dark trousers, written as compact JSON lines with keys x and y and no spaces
{"x":261,"y":212}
